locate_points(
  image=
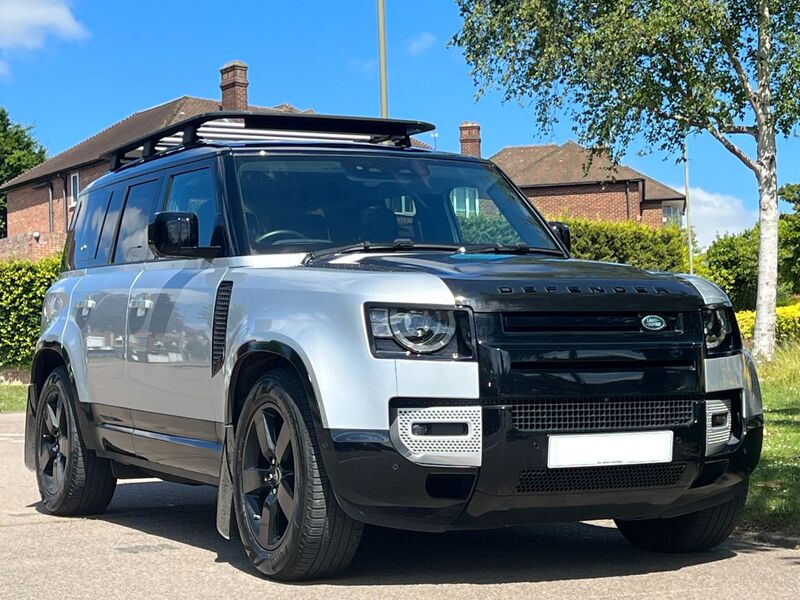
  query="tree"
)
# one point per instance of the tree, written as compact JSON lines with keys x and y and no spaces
{"x":791,"y":193}
{"x":19,"y":151}
{"x":661,"y":70}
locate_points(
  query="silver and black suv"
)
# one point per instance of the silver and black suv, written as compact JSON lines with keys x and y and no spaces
{"x":337,"y":328}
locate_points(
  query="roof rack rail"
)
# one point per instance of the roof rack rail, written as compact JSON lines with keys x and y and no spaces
{"x":271,"y":125}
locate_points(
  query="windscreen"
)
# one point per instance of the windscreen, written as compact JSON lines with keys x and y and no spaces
{"x":314,"y":201}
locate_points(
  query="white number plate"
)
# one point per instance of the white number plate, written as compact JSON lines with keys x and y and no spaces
{"x":598,"y":449}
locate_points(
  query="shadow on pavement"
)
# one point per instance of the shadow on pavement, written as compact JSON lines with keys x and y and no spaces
{"x":546,"y":552}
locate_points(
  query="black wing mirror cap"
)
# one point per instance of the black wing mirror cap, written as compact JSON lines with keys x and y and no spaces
{"x":563,"y":233}
{"x":175,"y":234}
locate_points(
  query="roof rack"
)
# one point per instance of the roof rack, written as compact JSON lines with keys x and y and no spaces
{"x":253,"y":125}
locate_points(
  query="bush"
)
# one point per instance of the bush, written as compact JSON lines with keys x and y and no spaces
{"x":22,"y":288}
{"x":662,"y":249}
{"x":732,"y":261}
{"x":787,"y":323}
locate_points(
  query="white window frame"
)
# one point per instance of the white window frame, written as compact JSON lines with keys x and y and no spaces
{"x":74,"y":178}
{"x":471,"y":206}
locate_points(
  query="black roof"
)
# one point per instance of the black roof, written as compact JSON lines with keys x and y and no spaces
{"x":393,"y":131}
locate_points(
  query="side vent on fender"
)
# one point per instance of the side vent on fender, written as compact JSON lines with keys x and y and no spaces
{"x":220,"y":326}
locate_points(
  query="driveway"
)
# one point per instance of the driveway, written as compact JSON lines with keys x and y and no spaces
{"x":158,"y":540}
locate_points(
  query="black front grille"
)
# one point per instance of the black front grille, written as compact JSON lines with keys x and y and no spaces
{"x":603,"y":415}
{"x":583,"y":479}
{"x":580,"y":322}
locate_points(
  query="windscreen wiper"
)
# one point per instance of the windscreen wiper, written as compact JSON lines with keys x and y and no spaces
{"x":520,"y":248}
{"x":399,"y":245}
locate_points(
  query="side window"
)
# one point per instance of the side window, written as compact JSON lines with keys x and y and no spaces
{"x":132,"y":237}
{"x":194,"y":192}
{"x":109,"y":226}
{"x":88,"y":221}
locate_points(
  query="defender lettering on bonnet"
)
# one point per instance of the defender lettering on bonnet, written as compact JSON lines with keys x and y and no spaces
{"x":329,"y":333}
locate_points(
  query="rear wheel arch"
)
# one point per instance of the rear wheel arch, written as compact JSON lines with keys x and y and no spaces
{"x":47,"y":359}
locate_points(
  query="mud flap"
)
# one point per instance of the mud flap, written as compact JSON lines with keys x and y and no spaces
{"x":30,"y":429}
{"x":225,"y":487}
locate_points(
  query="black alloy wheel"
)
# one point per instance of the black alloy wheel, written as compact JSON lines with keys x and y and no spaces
{"x":54,"y":443}
{"x":72,"y":479}
{"x":290,"y":523}
{"x":268,"y":476}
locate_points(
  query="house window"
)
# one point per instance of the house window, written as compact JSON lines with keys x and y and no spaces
{"x":672,"y":214}
{"x":74,"y":189}
{"x":465,"y":201}
{"x":402,"y":206}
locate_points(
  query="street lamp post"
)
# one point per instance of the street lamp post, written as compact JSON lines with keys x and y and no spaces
{"x":690,"y":241}
{"x":382,"y":58}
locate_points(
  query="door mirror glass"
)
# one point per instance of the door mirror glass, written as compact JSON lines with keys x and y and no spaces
{"x":562,"y":233}
{"x":176,"y":234}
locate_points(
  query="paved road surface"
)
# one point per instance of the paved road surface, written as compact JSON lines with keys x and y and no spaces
{"x":157,"y":540}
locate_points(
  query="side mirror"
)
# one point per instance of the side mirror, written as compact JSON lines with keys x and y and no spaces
{"x":175,"y":234}
{"x":562,"y":232}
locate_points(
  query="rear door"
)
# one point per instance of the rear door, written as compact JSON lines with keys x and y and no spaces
{"x":170,"y":328}
{"x":100,"y":300}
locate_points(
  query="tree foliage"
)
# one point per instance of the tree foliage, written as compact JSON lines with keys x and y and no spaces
{"x":624,"y":68}
{"x":732,"y":262}
{"x":660,"y":71}
{"x":19,"y":151}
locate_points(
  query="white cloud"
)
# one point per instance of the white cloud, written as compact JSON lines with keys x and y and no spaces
{"x":25,"y":24}
{"x":714,"y":213}
{"x":420,"y":43}
{"x":365,"y":65}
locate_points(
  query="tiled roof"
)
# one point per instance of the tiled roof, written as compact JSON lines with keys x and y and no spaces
{"x":531,"y":166}
{"x":135,"y":126}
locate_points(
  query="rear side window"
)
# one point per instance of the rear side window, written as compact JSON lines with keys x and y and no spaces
{"x":139,"y":208}
{"x":194,"y":192}
{"x":109,"y":226}
{"x":86,"y":226}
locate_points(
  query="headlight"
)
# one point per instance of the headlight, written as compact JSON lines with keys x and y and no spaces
{"x":420,"y":330}
{"x":719,"y":326}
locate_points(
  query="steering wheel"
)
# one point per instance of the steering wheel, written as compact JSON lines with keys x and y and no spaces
{"x":280,"y":233}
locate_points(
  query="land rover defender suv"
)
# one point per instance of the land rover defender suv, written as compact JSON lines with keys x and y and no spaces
{"x":337,"y":328}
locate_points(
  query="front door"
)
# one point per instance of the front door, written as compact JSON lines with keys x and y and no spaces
{"x":178,"y":402}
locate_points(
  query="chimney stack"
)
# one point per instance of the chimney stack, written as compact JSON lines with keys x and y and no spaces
{"x":233,"y":83}
{"x":470,"y":136}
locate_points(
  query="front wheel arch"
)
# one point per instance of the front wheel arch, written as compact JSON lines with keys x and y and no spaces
{"x":254,"y":359}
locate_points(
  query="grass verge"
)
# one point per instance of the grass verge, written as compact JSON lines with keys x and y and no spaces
{"x":13,"y":398}
{"x":774,"y":500}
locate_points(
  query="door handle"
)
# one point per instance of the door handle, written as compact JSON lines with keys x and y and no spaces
{"x":85,"y":305}
{"x":141,"y":304}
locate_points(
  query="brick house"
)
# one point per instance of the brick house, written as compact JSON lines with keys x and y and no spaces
{"x":556,"y":180}
{"x":40,"y":201}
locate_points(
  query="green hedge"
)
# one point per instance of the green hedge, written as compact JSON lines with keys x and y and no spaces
{"x":787,"y":323}
{"x":662,"y":249}
{"x":22,"y":288}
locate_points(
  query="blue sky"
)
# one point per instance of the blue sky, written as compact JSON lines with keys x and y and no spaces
{"x":71,"y":68}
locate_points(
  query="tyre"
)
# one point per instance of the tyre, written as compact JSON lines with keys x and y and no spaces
{"x":694,"y":532}
{"x":72,"y":479}
{"x":289,"y":521}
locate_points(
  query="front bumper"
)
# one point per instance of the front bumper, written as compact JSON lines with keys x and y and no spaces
{"x":375,"y":484}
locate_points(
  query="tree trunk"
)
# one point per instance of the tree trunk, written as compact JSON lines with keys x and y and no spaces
{"x":764,"y":335}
